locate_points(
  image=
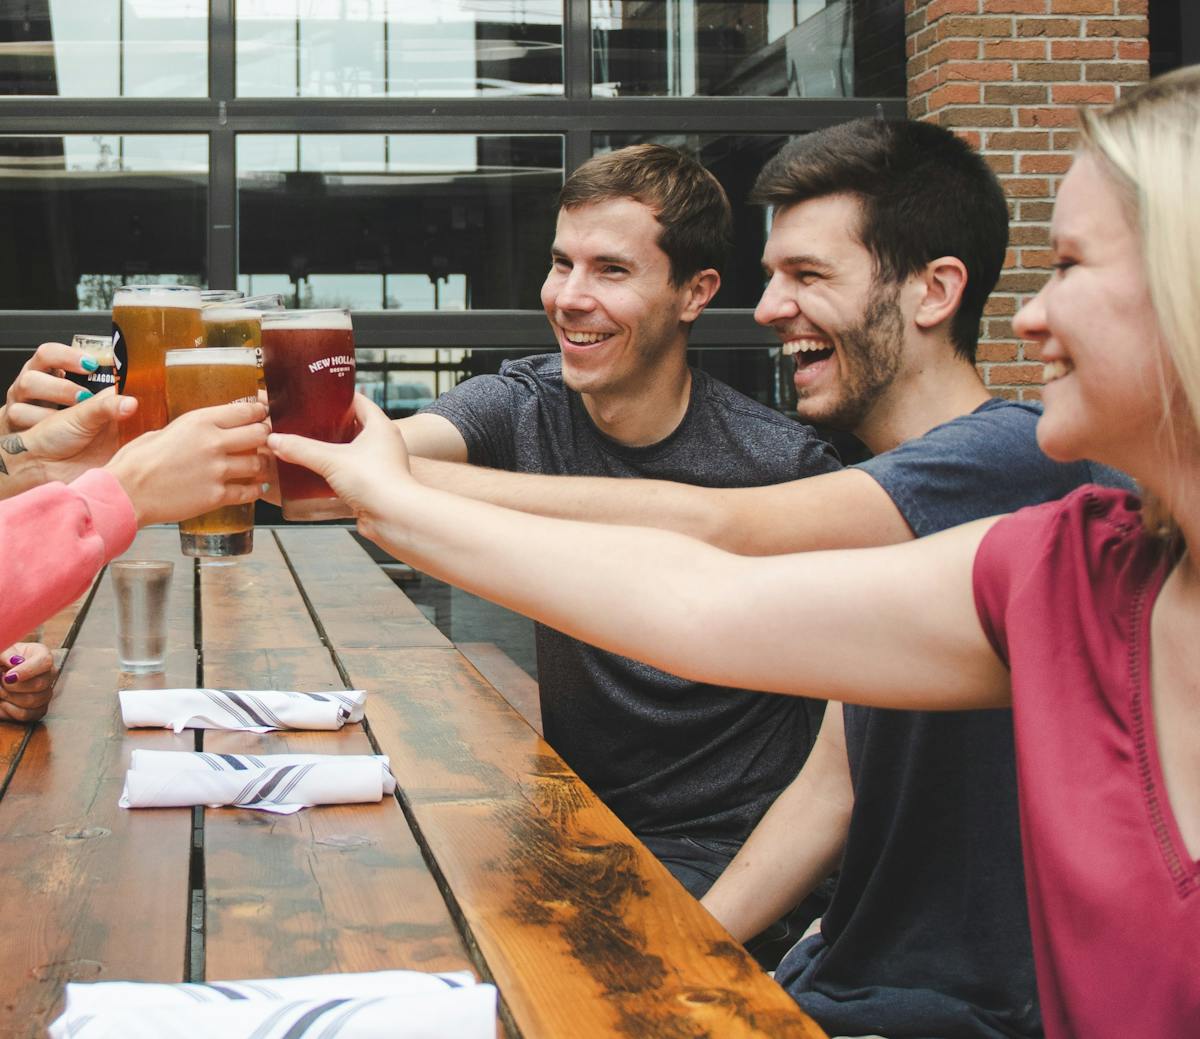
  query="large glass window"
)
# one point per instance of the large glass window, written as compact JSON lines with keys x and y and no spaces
{"x":398,"y":221}
{"x":744,"y":48}
{"x":398,"y":48}
{"x":84,"y":214}
{"x":104,"y":48}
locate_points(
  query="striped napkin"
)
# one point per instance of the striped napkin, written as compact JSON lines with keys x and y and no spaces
{"x":381,"y":1005}
{"x":249,"y":710}
{"x":279,"y":783}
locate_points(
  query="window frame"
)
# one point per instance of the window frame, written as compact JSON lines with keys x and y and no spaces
{"x":575,"y":116}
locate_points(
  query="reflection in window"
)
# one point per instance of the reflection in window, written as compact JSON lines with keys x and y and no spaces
{"x":398,"y":48}
{"x":743,"y":48}
{"x":104,"y":48}
{"x":398,"y":221}
{"x":404,"y":381}
{"x":80,"y":215}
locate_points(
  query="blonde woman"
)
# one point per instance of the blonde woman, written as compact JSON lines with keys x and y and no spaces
{"x":1082,"y":613}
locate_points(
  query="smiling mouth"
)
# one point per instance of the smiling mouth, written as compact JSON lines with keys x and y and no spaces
{"x":585,"y":338}
{"x":1056,"y":370}
{"x":808,"y":351}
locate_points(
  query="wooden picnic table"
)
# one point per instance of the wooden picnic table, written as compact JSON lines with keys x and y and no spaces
{"x":493,"y":856}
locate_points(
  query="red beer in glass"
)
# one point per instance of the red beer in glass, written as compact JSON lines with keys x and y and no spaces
{"x":308,"y":361}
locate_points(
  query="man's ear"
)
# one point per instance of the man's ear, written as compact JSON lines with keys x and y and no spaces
{"x":943,"y":282}
{"x":700,"y":288}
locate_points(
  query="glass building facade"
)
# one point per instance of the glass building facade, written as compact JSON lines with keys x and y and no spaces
{"x":397,"y":157}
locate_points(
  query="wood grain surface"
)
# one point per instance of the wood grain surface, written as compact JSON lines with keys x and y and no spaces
{"x":583,"y":930}
{"x":83,"y":877}
{"x":508,"y":679}
{"x":335,"y":888}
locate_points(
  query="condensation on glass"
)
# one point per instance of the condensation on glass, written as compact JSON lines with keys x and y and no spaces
{"x":399,"y":48}
{"x":748,"y":48}
{"x":84,"y":215}
{"x":397,"y":221}
{"x":104,"y":48}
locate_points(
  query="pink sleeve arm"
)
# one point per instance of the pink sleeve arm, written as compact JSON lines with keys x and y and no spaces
{"x":53,"y":539}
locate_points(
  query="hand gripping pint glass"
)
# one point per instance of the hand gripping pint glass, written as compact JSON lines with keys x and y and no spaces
{"x":201,"y":378}
{"x":308,"y":359}
{"x":149,"y":320}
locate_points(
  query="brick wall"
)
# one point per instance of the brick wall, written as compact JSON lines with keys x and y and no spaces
{"x":1009,"y":75}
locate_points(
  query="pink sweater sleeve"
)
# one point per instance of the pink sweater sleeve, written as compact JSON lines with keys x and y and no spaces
{"x":53,"y":539}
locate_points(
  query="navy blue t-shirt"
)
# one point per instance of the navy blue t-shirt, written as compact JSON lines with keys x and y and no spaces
{"x":928,"y":931}
{"x":669,"y":756}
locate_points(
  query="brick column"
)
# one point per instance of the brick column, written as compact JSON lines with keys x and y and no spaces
{"x":1008,"y":75}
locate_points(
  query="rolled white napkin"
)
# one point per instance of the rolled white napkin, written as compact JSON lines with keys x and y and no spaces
{"x":392,"y":1004}
{"x":280,"y":783}
{"x":248,"y":710}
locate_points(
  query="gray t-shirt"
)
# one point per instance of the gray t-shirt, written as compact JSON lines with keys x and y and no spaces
{"x":928,"y":933}
{"x":668,"y":756}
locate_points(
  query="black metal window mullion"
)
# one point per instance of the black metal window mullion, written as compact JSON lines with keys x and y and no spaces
{"x":222,"y":259}
{"x":577,"y":49}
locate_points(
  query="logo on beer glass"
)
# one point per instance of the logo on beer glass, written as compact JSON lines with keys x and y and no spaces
{"x":119,"y":365}
{"x":339,"y":365}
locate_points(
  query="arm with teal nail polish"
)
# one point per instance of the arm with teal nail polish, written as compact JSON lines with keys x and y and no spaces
{"x":39,"y":389}
{"x":60,"y":447}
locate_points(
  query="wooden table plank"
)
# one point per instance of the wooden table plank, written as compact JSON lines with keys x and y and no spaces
{"x":53,"y":633}
{"x":81,"y":876}
{"x":584,"y":931}
{"x":508,"y":678}
{"x":360,"y":606}
{"x":335,"y":888}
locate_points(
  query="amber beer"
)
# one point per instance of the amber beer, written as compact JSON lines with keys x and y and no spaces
{"x":200,"y":378}
{"x":308,"y":359}
{"x":149,"y":320}
{"x":238,"y":322}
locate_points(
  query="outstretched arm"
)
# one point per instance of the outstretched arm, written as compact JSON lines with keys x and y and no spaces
{"x":846,"y":509}
{"x":893,"y":626}
{"x":795,"y":846}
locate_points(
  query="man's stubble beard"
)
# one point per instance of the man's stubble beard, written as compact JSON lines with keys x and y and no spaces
{"x":871,"y":352}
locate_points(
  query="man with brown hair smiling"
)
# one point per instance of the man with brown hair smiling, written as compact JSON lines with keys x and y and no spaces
{"x":642,"y":234}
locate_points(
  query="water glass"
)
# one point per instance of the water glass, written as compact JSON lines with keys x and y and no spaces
{"x":142,"y":588}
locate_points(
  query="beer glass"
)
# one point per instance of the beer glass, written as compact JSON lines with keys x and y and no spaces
{"x":308,"y":359}
{"x":148,"y":320}
{"x":100,"y":350}
{"x":238,"y":322}
{"x":208,"y":296}
{"x":199,"y":378}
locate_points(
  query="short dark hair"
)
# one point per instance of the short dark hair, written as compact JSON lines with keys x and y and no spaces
{"x":924,"y":192}
{"x":688,"y":201}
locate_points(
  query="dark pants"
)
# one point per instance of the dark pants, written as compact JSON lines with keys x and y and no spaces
{"x":696,"y":862}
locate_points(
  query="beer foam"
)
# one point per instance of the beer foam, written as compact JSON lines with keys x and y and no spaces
{"x":241,"y":355}
{"x":158,"y":296}
{"x":223,"y":312}
{"x":308,"y":320}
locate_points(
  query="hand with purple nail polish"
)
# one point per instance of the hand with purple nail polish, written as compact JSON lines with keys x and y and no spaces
{"x":28,"y":683}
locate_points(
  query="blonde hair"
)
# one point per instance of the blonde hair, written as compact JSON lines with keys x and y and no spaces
{"x":1149,"y":142}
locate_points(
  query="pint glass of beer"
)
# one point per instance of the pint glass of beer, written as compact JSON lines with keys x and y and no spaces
{"x":149,"y":320}
{"x":238,"y":322}
{"x":308,"y":359}
{"x":200,"y":378}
